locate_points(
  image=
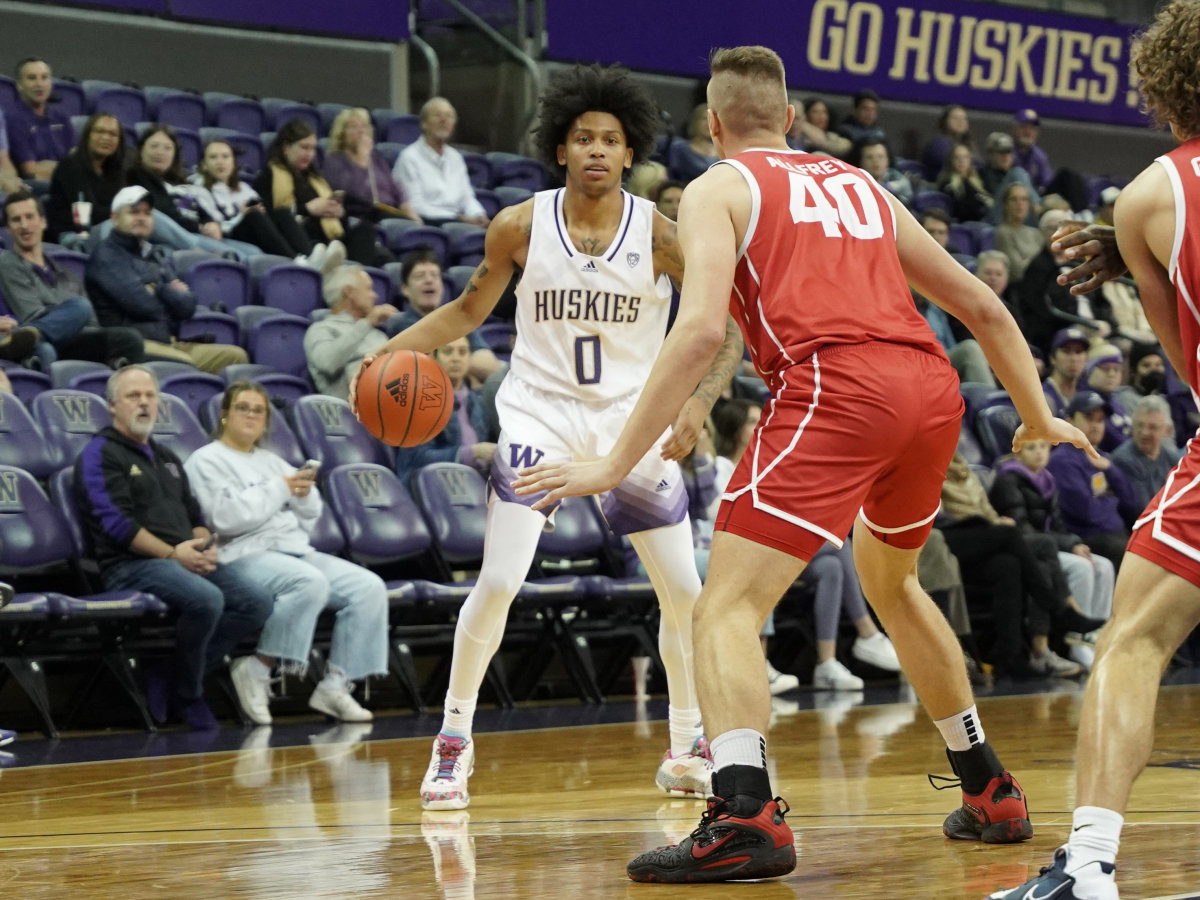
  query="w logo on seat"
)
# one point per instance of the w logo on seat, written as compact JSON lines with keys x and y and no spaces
{"x":330,"y":415}
{"x":457,"y":486}
{"x":522,"y":456}
{"x":164,"y":415}
{"x":10,"y":493}
{"x":76,"y":410}
{"x":368,"y":484}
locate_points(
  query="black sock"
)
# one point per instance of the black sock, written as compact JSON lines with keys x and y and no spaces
{"x":743,"y":782}
{"x":976,"y":767}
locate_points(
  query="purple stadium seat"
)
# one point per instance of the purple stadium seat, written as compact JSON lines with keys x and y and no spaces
{"x":193,"y":388}
{"x":329,"y":432}
{"x":126,"y":103}
{"x":390,"y":151}
{"x":995,"y":427}
{"x":962,"y":239}
{"x":165,"y":368}
{"x":489,"y":200}
{"x":459,"y":276}
{"x":466,"y":243}
{"x":291,"y":288}
{"x":514,"y":170}
{"x":72,"y":261}
{"x":27,"y":383}
{"x":380,"y":522}
{"x":62,"y":371}
{"x":220,"y":284}
{"x":498,"y":334}
{"x":328,"y":112}
{"x":72,"y":101}
{"x":278,"y":340}
{"x":280,"y":111}
{"x":177,"y":427}
{"x":221,"y":326}
{"x":94,"y":382}
{"x":382,"y":283}
{"x":929,"y":199}
{"x":402,"y":236}
{"x":8,"y":92}
{"x":397,"y":127}
{"x":479,"y":170}
{"x":234,"y":112}
{"x":21,"y":441}
{"x":179,"y":109}
{"x":511,"y":196}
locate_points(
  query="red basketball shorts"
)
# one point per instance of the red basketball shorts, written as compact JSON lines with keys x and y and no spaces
{"x":855,"y":429}
{"x":1168,"y":531}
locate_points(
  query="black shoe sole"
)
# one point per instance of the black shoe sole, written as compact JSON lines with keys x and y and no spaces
{"x":773,"y":865}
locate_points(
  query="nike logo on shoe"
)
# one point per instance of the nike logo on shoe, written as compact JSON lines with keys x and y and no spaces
{"x":699,"y":852}
{"x":1032,"y":893}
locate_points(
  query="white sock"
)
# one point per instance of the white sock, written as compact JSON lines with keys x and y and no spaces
{"x":740,"y":747}
{"x":458,"y":717}
{"x":1095,"y":836}
{"x":259,"y":669}
{"x":961,"y":731}
{"x":686,"y":727}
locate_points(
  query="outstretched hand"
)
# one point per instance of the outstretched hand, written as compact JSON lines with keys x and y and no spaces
{"x":565,"y":479}
{"x":1094,"y":247}
{"x":685,"y":431}
{"x":353,"y":390}
{"x":1056,"y":431}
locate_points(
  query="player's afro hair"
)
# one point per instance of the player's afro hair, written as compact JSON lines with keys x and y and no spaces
{"x":581,"y":89}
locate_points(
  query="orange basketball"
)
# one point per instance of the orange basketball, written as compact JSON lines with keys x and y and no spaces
{"x":405,"y":398}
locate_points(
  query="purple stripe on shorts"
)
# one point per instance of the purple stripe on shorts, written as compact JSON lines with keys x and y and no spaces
{"x":630,"y":508}
{"x":500,"y":481}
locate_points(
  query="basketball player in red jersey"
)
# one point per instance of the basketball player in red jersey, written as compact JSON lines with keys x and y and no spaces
{"x":1157,"y":601}
{"x":814,"y":261}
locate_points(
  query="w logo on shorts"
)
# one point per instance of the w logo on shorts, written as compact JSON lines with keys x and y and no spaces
{"x":521,"y":456}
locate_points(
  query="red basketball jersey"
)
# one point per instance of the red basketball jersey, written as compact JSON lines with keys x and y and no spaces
{"x":1183,"y":168}
{"x":818,"y":264}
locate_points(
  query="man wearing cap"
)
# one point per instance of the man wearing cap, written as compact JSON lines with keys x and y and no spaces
{"x":132,"y":282}
{"x":863,"y":122}
{"x":1026,"y":153}
{"x":1105,"y":374}
{"x":999,"y":171}
{"x":1098,"y":502}
{"x":1068,"y":359}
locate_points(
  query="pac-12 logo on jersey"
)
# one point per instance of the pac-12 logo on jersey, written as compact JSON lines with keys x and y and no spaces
{"x":522,"y":456}
{"x":633,"y":259}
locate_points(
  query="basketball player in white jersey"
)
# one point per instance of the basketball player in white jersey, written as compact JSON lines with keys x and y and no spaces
{"x":1157,"y":601}
{"x":592,"y":307}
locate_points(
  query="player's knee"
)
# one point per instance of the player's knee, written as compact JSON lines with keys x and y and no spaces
{"x":498,"y":586}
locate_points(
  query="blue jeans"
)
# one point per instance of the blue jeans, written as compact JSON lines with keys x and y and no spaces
{"x":59,"y":324}
{"x":215,"y":612}
{"x":304,"y":586}
{"x":171,"y":234}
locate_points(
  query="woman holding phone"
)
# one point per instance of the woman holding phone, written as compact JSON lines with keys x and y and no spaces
{"x":291,"y":185}
{"x":237,"y":210}
{"x":264,"y":510}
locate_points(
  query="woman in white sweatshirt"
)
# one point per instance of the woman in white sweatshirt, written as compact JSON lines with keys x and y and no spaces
{"x":263,"y":510}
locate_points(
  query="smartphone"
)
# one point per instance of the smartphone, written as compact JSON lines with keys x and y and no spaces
{"x":310,"y":465}
{"x":212,"y":539}
{"x":339,"y":196}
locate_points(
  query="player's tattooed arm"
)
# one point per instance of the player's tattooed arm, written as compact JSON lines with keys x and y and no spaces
{"x":668,"y":255}
{"x":479,"y":274}
{"x":723,"y":368}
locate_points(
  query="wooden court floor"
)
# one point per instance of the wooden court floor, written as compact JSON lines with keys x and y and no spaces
{"x":558,"y":812}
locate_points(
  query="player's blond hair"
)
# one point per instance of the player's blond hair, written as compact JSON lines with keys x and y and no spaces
{"x":748,"y":90}
{"x":1166,"y":66}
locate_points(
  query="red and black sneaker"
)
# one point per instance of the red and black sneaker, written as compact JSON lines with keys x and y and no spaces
{"x":998,"y":815}
{"x":726,"y":846}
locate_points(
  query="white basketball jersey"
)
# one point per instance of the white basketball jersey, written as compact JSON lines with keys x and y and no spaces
{"x":589,"y":327}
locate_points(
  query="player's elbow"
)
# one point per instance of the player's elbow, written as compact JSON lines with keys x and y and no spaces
{"x":704,"y":340}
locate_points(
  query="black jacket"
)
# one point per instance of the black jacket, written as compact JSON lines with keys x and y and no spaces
{"x":127,"y":288}
{"x":1013,"y":495}
{"x":123,"y":486}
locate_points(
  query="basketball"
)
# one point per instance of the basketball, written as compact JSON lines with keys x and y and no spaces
{"x":405,"y":398}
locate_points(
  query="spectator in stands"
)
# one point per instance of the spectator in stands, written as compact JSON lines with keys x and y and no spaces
{"x":966,"y":355}
{"x":17,"y":344}
{"x":1024,"y":491}
{"x":1032,"y":158}
{"x":87,"y":179}
{"x":354,"y":166}
{"x":149,"y":535}
{"x":970,"y":200}
{"x":999,"y":172}
{"x":1044,"y":302}
{"x":422,"y":286}
{"x":1147,"y":375}
{"x":1148,"y":457}
{"x":991,"y":267}
{"x":264,"y":511}
{"x":690,"y":159}
{"x":1098,"y":502}
{"x":1068,"y":360}
{"x":45,"y":296}
{"x":1016,"y":240}
{"x":224,"y":199}
{"x":667,"y":199}
{"x":812,"y":130}
{"x":646,"y":178}
{"x":132,"y":284}
{"x":1108,"y":199}
{"x":954,"y":130}
{"x":10,"y":180}
{"x":40,"y":135}
{"x":872,"y":155}
{"x":158,"y":167}
{"x":863,"y":123}
{"x":937,"y":225}
{"x":991,"y":548}
{"x":1105,"y":374}
{"x":335,"y":345}
{"x":291,"y":185}
{"x":1129,"y":321}
{"x":434,"y":174}
{"x":465,"y":439}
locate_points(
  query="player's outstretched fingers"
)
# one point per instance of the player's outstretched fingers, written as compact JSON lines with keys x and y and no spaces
{"x":352,"y":392}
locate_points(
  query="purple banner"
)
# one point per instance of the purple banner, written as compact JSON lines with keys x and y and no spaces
{"x":983,"y":56}
{"x":369,"y":19}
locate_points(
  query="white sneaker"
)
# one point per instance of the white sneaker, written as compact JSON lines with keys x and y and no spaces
{"x":314,"y":258}
{"x":338,"y":704}
{"x":1050,"y":663}
{"x":253,"y":693}
{"x":445,"y":782}
{"x":831,"y":675}
{"x":689,"y":774}
{"x":1082,"y":653}
{"x":335,"y":255}
{"x":781,"y":682}
{"x":877,"y":651}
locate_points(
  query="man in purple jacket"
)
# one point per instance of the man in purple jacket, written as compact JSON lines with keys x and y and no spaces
{"x":1098,"y":502}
